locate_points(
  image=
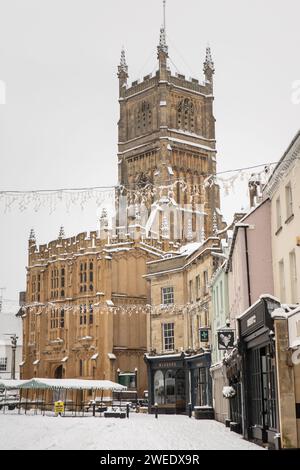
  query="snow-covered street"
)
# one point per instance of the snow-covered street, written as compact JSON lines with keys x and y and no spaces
{"x":139,"y":432}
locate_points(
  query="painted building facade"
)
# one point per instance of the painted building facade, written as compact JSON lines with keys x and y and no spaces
{"x":220,"y":316}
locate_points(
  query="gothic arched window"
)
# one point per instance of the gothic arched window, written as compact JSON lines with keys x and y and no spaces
{"x":144,"y":117}
{"x":186,"y":115}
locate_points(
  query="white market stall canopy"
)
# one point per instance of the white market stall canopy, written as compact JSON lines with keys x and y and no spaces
{"x":11,"y":384}
{"x":62,"y":384}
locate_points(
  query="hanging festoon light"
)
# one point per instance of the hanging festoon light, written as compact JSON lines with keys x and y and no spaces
{"x":52,"y":198}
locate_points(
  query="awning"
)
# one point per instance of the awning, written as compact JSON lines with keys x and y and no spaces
{"x":11,"y":384}
{"x":35,"y":363}
{"x":62,"y":384}
{"x":65,"y":359}
{"x":94,"y":357}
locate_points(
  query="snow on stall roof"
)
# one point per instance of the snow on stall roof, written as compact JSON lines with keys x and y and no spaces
{"x":11,"y":384}
{"x":66,"y":384}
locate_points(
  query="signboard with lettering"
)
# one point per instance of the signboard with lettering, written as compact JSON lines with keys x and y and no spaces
{"x":59,"y":407}
{"x":294,"y":329}
{"x":225,"y":339}
{"x":204,"y":335}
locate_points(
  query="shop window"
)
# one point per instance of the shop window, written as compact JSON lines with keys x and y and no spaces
{"x":201,"y":383}
{"x":262,"y":388}
{"x":170,"y":386}
{"x":159,"y":387}
{"x":128,"y":379}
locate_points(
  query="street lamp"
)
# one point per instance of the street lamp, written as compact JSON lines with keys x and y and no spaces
{"x":14,"y":340}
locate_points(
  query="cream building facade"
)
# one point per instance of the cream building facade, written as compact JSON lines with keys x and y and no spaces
{"x":283,"y":189}
{"x":180,"y":328}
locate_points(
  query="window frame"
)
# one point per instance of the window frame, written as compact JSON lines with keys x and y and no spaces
{"x":167,"y":295}
{"x":168,"y":334}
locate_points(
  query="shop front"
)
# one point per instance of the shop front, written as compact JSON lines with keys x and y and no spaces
{"x":200,"y":384}
{"x":257,"y":345}
{"x":177,"y":380}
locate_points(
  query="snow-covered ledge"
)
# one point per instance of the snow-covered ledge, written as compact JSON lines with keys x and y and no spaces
{"x":279,"y":314}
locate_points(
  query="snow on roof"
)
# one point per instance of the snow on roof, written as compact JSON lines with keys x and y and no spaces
{"x":11,"y":384}
{"x":164,"y":356}
{"x":190,"y":248}
{"x":111,"y":356}
{"x":261,"y":297}
{"x":66,"y":384}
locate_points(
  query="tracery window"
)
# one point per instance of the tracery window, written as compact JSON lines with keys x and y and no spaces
{"x":35,"y":288}
{"x":86,"y":276}
{"x":186,"y":115}
{"x":54,"y":283}
{"x":144,"y":117}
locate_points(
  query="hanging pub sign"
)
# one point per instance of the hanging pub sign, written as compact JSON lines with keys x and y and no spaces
{"x":203,"y":335}
{"x":225,"y":339}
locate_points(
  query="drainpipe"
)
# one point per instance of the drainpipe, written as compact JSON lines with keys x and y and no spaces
{"x":247,"y":264}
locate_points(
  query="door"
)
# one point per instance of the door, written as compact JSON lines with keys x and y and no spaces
{"x":262,"y":389}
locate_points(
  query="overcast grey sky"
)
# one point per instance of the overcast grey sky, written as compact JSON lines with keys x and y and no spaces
{"x":58,"y":127}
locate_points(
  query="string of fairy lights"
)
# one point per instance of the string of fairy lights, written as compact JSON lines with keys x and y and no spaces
{"x":108,"y":307}
{"x":51,"y":199}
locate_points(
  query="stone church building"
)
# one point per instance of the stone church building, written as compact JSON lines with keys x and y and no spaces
{"x":87,"y":312}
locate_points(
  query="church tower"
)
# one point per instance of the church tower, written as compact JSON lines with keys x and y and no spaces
{"x":167,"y":141}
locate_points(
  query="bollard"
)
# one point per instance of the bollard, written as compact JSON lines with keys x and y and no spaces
{"x":156,"y":410}
{"x":127,"y":410}
{"x":190,"y":410}
{"x":94,"y":408}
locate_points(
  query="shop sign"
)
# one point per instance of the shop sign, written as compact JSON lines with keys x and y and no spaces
{"x":204,"y":335}
{"x":59,"y":407}
{"x":168,"y":364}
{"x":251,"y":321}
{"x":225,"y":339}
{"x":294,"y":329}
